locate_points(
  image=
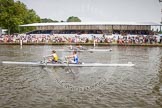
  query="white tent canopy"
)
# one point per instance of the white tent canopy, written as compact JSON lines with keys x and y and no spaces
{"x":91,"y":23}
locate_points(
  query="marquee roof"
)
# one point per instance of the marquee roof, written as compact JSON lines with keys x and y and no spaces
{"x":90,"y":23}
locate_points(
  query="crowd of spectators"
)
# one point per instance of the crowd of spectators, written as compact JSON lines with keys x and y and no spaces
{"x":150,"y":39}
{"x":41,"y":39}
{"x":127,"y":39}
{"x":133,"y":32}
{"x":65,"y":32}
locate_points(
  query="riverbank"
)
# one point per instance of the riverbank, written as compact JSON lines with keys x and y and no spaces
{"x":87,"y":44}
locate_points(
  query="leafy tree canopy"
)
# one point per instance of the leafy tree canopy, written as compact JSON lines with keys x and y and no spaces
{"x":45,"y":20}
{"x":14,"y":13}
{"x":73,"y":19}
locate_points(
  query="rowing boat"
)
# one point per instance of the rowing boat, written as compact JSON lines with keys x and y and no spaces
{"x":129,"y":64}
{"x":88,"y":50}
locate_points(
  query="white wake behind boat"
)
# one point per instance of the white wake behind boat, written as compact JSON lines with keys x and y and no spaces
{"x":129,"y":64}
{"x":87,"y":50}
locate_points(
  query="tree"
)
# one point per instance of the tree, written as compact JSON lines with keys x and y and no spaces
{"x":13,"y":14}
{"x":73,"y":19}
{"x":45,"y":20}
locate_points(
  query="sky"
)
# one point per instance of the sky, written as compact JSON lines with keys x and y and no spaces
{"x":98,"y":10}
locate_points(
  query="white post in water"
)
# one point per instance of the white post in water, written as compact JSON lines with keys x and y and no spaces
{"x":21,"y":41}
{"x":94,"y":43}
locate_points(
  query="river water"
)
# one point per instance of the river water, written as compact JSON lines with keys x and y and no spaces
{"x":94,"y":87}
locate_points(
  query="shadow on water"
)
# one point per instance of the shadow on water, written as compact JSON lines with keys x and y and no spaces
{"x":70,"y":74}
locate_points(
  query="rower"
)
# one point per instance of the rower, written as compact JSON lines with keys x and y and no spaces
{"x":80,"y":47}
{"x":54,"y":58}
{"x":72,"y":47}
{"x":73,"y":57}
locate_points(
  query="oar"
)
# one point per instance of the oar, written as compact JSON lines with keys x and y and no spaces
{"x":44,"y":61}
{"x":61,"y":61}
{"x":68,"y":65}
{"x":70,"y":69}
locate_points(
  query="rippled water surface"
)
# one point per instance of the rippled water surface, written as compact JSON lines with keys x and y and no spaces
{"x":86,"y":87}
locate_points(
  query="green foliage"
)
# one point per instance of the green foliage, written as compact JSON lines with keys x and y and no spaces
{"x":46,"y":20}
{"x":73,"y":19}
{"x":13,"y":14}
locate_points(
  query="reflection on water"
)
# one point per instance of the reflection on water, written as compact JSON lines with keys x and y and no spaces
{"x":94,"y":87}
{"x":157,"y":90}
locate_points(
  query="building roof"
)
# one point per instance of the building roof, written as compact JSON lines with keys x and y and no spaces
{"x":91,"y":23}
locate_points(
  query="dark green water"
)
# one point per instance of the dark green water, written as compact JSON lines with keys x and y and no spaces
{"x":95,"y":87}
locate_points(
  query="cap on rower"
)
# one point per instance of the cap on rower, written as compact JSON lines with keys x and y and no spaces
{"x":54,"y":51}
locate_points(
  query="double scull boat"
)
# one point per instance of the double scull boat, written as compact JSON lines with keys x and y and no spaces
{"x":88,"y":50}
{"x":129,"y":64}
